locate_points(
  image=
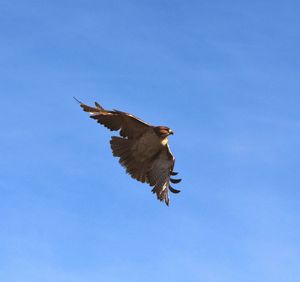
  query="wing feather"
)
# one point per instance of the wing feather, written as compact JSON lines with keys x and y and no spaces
{"x":129,"y":125}
{"x":159,"y":175}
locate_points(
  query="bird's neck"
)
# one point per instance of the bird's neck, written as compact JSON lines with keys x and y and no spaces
{"x":164,"y":141}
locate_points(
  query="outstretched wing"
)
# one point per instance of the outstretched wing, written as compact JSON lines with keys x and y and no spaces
{"x":159,"y":175}
{"x":129,"y":125}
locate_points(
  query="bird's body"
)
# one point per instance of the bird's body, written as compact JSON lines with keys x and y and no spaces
{"x":146,"y":146}
{"x":142,"y":148}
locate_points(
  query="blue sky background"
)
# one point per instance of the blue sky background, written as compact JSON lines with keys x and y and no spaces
{"x":224,"y":75}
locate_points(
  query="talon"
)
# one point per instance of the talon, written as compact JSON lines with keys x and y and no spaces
{"x":173,"y":173}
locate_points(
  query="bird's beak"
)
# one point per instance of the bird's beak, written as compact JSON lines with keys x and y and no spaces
{"x":171,"y":132}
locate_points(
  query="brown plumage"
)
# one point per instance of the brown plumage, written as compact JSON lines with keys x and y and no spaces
{"x":142,"y":149}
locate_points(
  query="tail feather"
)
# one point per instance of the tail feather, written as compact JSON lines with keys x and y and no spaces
{"x":122,"y":148}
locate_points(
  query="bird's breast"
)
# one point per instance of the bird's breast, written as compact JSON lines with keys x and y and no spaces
{"x":147,"y":146}
{"x":165,"y":141}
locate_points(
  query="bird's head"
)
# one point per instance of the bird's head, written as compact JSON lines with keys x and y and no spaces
{"x":163,"y":131}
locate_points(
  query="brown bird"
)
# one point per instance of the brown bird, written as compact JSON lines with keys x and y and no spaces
{"x":142,"y":148}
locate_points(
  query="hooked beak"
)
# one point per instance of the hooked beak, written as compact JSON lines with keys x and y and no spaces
{"x":171,"y":132}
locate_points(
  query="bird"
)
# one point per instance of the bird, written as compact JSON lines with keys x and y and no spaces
{"x":143,"y":149}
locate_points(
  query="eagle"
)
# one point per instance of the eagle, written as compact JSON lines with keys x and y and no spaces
{"x":142,"y":149}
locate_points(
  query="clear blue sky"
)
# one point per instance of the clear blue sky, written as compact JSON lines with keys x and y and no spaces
{"x":224,"y":75}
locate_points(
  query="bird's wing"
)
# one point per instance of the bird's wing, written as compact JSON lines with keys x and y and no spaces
{"x":129,"y":125}
{"x":159,"y":175}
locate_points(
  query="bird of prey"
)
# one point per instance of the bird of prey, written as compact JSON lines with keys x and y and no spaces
{"x":142,"y":149}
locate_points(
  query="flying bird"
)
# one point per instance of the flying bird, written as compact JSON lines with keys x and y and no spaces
{"x":142,"y":148}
